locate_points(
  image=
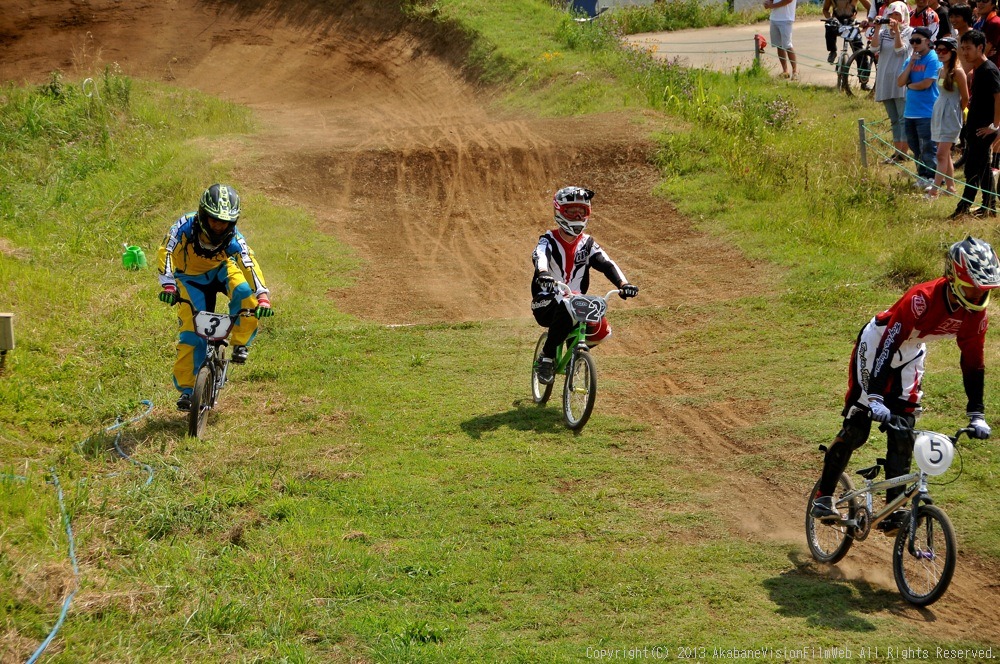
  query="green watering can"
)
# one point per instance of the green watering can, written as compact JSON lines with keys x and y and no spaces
{"x":133,"y":258}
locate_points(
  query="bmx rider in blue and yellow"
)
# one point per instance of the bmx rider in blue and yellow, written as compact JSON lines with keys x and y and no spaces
{"x":202,"y":255}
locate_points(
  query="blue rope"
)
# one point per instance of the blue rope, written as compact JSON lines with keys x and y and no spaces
{"x":118,"y":437}
{"x":66,"y":520}
{"x":76,"y":572}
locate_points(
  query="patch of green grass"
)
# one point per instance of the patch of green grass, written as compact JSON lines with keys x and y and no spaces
{"x":368,"y":493}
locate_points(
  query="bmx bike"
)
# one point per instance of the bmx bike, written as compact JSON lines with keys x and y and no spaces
{"x":573,"y":359}
{"x":211,"y":376}
{"x":855,"y":68}
{"x":925,"y":549}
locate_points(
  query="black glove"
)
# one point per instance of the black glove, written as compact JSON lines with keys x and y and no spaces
{"x":169,"y":295}
{"x":545,"y":280}
{"x":627,"y":291}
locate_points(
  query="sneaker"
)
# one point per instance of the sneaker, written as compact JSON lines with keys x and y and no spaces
{"x":922,"y":183}
{"x":981,"y":212}
{"x":891,"y":524}
{"x":823,"y":509}
{"x":831,"y":56}
{"x":184,"y":403}
{"x":239,"y":354}
{"x":961,"y":210}
{"x":546,"y":370}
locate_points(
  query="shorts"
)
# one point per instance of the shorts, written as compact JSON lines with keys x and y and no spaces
{"x":781,"y":34}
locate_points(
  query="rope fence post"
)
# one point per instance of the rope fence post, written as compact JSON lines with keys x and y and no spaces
{"x":759,"y":44}
{"x":863,"y":144}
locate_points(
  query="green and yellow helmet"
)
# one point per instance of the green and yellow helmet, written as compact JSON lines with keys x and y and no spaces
{"x":220,"y":202}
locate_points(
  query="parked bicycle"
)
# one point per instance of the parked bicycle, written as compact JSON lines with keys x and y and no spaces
{"x":855,"y":68}
{"x":573,"y":359}
{"x":924,"y":552}
{"x":211,"y":376}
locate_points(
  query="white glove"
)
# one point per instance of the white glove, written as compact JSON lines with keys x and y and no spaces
{"x":980,"y":429}
{"x":879,"y":412}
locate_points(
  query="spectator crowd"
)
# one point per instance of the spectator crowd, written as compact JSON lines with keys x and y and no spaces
{"x":939,"y":81}
{"x":937,"y":76}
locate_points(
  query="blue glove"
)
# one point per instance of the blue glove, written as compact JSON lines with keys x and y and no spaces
{"x":879,"y":412}
{"x":627,"y":291}
{"x":980,"y":429}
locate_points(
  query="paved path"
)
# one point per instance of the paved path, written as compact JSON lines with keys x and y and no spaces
{"x":730,"y":47}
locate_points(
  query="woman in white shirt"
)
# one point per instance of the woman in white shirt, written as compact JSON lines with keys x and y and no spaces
{"x":893,"y":48}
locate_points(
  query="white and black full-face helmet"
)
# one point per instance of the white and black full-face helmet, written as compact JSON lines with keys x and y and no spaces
{"x":572,"y":209}
{"x":220,"y":202}
{"x":972,"y":263}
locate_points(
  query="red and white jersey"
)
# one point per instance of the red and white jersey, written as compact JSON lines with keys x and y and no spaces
{"x":570,"y":262}
{"x":891,"y":347}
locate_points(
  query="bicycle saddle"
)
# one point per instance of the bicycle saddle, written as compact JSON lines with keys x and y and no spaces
{"x":871,"y":472}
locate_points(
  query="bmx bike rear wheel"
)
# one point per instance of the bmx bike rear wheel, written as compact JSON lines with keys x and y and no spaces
{"x":830,"y":542}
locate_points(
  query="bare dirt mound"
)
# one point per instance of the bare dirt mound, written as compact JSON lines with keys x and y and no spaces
{"x":391,"y":149}
{"x":368,"y":124}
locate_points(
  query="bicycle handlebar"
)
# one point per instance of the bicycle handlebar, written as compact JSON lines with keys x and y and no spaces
{"x":245,"y":313}
{"x":569,"y":291}
{"x":896,"y":423}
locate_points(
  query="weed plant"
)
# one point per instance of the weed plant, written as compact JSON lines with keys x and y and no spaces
{"x":365,"y":492}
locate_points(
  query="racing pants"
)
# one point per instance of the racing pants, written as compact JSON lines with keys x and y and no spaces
{"x":550,"y":312}
{"x":201,"y":290}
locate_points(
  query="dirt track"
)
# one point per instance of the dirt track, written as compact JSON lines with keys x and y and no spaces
{"x":368,"y":124}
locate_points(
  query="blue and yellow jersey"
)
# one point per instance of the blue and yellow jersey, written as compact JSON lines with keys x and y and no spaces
{"x":177,"y":255}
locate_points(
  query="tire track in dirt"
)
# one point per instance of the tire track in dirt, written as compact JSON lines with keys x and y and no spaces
{"x":711,"y":441}
{"x":400,"y":159}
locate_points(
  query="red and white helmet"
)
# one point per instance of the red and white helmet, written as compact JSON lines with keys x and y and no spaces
{"x":572,"y":206}
{"x":974,"y":263}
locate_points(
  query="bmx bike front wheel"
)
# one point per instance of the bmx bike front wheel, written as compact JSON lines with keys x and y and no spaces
{"x":579,"y":390}
{"x":923,"y":569}
{"x":201,"y":402}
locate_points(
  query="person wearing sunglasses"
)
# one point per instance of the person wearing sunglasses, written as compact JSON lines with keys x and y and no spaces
{"x":946,"y":121}
{"x":919,"y":76}
{"x":887,"y":366}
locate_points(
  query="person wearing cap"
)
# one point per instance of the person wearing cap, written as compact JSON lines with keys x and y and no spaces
{"x":946,"y":119}
{"x":919,"y":75}
{"x":892,"y":44}
{"x":981,"y":124}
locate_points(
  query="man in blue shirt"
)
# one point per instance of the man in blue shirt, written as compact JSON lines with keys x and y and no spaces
{"x":919,"y":76}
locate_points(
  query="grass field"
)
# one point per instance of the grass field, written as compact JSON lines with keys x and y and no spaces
{"x":369,"y":493}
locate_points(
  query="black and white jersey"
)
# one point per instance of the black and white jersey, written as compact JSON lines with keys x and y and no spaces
{"x":570,"y":262}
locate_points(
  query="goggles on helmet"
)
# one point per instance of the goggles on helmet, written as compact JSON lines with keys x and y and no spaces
{"x":958,"y":287}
